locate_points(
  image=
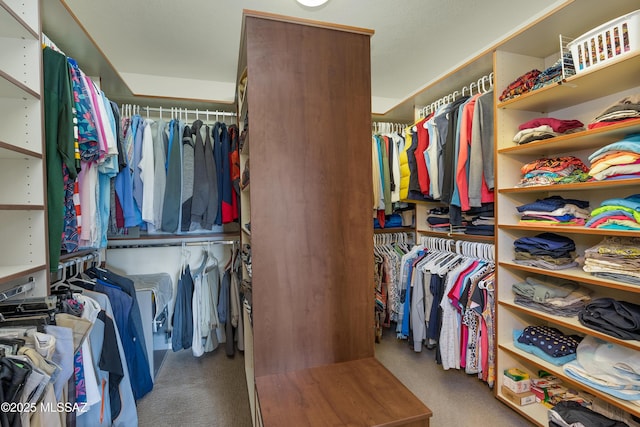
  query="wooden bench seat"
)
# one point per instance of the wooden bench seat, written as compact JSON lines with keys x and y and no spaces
{"x":355,"y":393}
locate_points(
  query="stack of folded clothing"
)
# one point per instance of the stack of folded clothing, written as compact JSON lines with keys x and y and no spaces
{"x":620,"y":319}
{"x":618,"y":160}
{"x":608,"y":367}
{"x":625,"y":109}
{"x":617,"y":214}
{"x":522,"y":84}
{"x":547,"y":250}
{"x":556,"y":170}
{"x":548,"y":343}
{"x":555,"y":296}
{"x":480,"y":221}
{"x":554,"y":210}
{"x":438,"y":219}
{"x":569,"y":413}
{"x":554,"y":73}
{"x":545,"y":128}
{"x":616,"y":258}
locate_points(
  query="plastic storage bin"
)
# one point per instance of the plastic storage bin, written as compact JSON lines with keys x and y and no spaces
{"x":609,"y":41}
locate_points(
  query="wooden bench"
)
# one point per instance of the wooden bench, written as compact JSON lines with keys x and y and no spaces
{"x":355,"y":393}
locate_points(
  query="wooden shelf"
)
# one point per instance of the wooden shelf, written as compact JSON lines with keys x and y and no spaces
{"x":559,"y":372}
{"x":620,"y":74}
{"x":587,"y":139}
{"x":458,"y":236}
{"x":6,"y":207}
{"x":568,"y":322}
{"x":13,"y":26}
{"x":394,"y":230}
{"x":8,"y":151}
{"x":12,"y":88}
{"x":534,"y":412}
{"x":10,"y":273}
{"x":571,"y":230}
{"x":580,"y":186}
{"x":577,"y":274}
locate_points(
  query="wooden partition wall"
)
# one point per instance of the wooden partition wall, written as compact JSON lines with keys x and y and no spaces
{"x":309,"y":103}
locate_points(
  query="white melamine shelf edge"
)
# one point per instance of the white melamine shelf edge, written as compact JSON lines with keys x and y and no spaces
{"x":580,"y":186}
{"x":570,"y":230}
{"x":577,"y":274}
{"x":12,"y":272}
{"x":568,"y":322}
{"x":535,"y":412}
{"x":12,"y":25}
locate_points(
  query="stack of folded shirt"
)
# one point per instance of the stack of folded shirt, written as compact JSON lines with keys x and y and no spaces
{"x":554,"y":210}
{"x":616,"y":258}
{"x":608,"y":367}
{"x":568,"y":413}
{"x":555,"y":296}
{"x":545,"y":128}
{"x":522,"y":84}
{"x":554,"y":73}
{"x":547,"y":343}
{"x":617,"y":214}
{"x":547,"y":250}
{"x":557,"y":170}
{"x":625,"y":109}
{"x":480,"y":221}
{"x":620,"y":319}
{"x":618,"y":160}
{"x":438,"y":219}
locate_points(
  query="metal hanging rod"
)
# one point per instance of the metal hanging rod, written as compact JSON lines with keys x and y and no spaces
{"x":131,"y":109}
{"x":79,"y":260}
{"x":484,"y":84}
{"x":17,"y":290}
{"x":159,"y":243}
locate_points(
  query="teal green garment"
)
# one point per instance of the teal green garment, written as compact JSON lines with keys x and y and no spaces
{"x":607,"y":208}
{"x":388,"y":205}
{"x":59,"y":144}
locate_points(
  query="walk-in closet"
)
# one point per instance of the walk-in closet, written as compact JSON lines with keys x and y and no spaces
{"x":312,"y":213}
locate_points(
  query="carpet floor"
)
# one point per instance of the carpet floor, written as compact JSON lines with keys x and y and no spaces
{"x":212,"y":391}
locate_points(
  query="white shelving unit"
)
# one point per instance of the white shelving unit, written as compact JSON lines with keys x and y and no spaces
{"x":581,"y":97}
{"x":23,"y":254}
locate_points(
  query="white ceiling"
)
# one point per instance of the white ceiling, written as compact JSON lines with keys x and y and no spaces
{"x":189,"y":48}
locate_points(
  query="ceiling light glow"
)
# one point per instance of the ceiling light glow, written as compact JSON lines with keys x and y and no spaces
{"x":312,"y":3}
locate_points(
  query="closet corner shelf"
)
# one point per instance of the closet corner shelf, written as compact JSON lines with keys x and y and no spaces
{"x":12,"y":88}
{"x":570,"y":230}
{"x":579,"y":186}
{"x":8,"y":151}
{"x":10,"y":273}
{"x":588,"y":139}
{"x":577,"y":274}
{"x":12,"y":25}
{"x":621,"y":74}
{"x":569,"y":322}
{"x":559,"y":372}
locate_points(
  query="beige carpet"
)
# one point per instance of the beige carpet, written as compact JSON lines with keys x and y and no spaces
{"x":190,"y":391}
{"x":456,"y":399}
{"x":211,"y":391}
